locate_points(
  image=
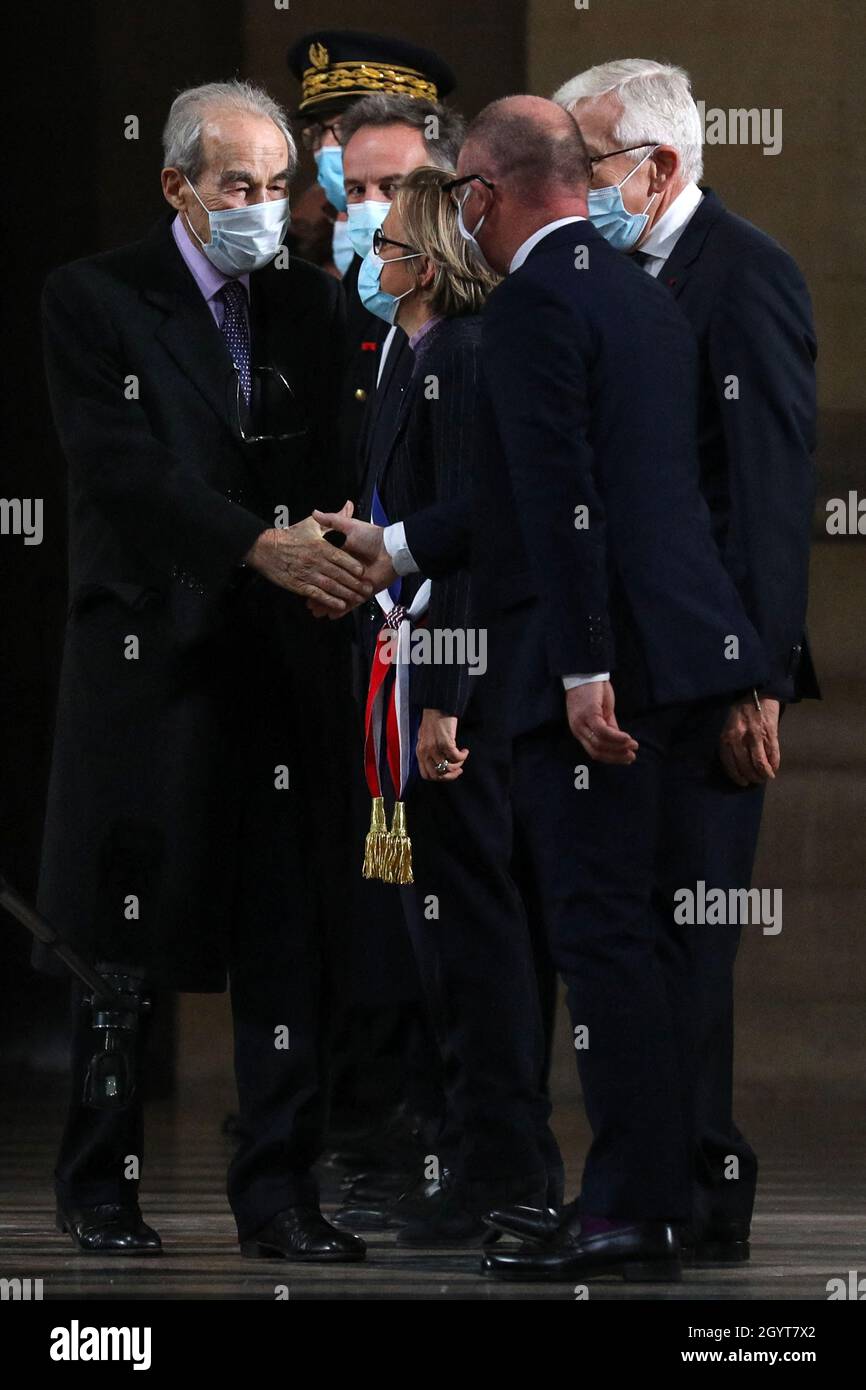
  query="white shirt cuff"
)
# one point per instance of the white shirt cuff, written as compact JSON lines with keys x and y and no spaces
{"x":394,"y":540}
{"x":571,"y":682}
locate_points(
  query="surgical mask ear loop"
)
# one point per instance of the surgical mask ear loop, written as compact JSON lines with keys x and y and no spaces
{"x":201,"y":243}
{"x":391,"y":260}
{"x":473,"y":235}
{"x":634,"y":171}
{"x":411,"y":289}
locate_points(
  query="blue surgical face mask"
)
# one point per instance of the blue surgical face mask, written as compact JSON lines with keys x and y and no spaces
{"x":608,"y":213}
{"x":364,"y":218}
{"x":243,"y":239}
{"x":342,"y":249}
{"x":373,"y":297}
{"x":329,"y":164}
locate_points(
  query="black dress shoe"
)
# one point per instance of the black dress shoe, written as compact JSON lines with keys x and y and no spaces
{"x":647,"y":1252}
{"x":303,"y":1234}
{"x":109,"y":1229}
{"x":359,"y":1211}
{"x":448,"y":1220}
{"x":456,"y":1215}
{"x":722,"y":1243}
{"x":375,"y":1184}
{"x":531,"y":1223}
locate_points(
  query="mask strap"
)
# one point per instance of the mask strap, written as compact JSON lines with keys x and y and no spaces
{"x":413,"y":257}
{"x":647,"y":156}
{"x":480,"y":223}
{"x":186,"y":215}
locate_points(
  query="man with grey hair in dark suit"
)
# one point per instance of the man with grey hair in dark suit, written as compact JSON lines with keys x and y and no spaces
{"x":749,"y":308}
{"x":192,"y":388}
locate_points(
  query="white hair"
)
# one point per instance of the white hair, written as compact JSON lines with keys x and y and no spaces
{"x":657,"y":106}
{"x":181,"y":138}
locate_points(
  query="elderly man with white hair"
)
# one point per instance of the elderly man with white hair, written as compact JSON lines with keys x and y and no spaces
{"x":186,"y":833}
{"x":749,"y":308}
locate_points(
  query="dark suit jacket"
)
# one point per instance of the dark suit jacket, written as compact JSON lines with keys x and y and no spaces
{"x":365,"y":334}
{"x":431,"y":458}
{"x":592,"y":378}
{"x":749,"y":308}
{"x":383,"y":407}
{"x":374,"y":444}
{"x":369,"y":406}
{"x":165,"y":499}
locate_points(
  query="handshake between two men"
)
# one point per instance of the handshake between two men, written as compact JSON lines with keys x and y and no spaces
{"x":336,"y":580}
{"x":333,"y":581}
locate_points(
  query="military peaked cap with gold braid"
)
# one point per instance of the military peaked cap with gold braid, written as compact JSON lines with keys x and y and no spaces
{"x":337,"y":67}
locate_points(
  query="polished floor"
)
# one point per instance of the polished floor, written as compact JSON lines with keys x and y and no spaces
{"x":810,"y":1225}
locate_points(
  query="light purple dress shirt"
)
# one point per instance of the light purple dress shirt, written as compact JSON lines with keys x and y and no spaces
{"x":424,"y":330}
{"x":209,"y":280}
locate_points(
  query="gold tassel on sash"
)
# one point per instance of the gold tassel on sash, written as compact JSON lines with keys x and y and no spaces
{"x":375,"y":843}
{"x":397,"y":865}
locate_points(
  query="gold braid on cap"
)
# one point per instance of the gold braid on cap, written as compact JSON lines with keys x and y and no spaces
{"x":359,"y":79}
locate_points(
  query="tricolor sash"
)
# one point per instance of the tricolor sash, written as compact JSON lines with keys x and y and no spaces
{"x":388,"y":853}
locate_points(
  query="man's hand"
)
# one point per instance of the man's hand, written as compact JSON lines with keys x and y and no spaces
{"x":365,"y":542}
{"x":437,"y":743}
{"x":297,"y":558}
{"x":749,"y":745}
{"x":593,"y":723}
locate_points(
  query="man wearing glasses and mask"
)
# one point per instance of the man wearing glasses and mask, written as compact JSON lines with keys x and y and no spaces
{"x":750,"y":312}
{"x":191,"y":385}
{"x":337,"y":68}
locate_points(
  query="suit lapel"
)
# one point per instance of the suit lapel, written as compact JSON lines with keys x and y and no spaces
{"x":676,"y":270}
{"x":188,"y":331}
{"x":399,"y":345}
{"x":414,"y":388}
{"x":404,"y":414}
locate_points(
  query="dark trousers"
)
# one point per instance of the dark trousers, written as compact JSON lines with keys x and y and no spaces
{"x":477,"y":959}
{"x":279,"y":989}
{"x":709,"y":831}
{"x":599,"y":855}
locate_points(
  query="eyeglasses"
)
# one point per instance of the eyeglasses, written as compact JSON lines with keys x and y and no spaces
{"x":380,"y":240}
{"x":273,"y":413}
{"x":313,"y":134}
{"x":629,"y":149}
{"x":452,"y":185}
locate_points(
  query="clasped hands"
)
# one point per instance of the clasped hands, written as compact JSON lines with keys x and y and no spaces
{"x":333,"y":581}
{"x":365,"y":543}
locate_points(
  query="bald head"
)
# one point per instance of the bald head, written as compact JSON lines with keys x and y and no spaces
{"x":523,"y":165}
{"x":531,"y":145}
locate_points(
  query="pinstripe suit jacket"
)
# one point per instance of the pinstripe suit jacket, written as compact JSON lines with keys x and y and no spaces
{"x":432,"y":459}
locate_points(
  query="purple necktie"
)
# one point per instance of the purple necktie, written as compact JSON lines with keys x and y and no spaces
{"x":235,"y":330}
